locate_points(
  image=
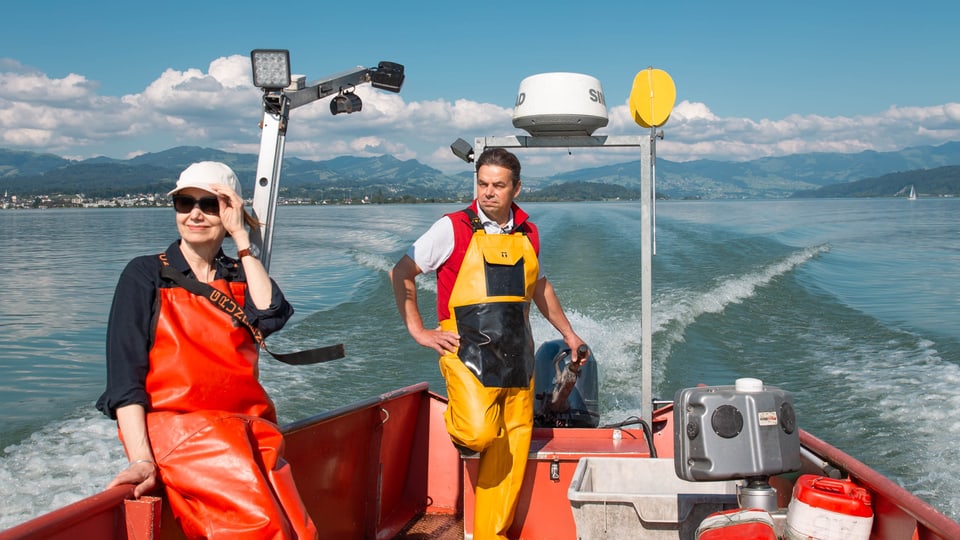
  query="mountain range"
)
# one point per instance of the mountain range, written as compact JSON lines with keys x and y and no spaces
{"x":934,"y":170}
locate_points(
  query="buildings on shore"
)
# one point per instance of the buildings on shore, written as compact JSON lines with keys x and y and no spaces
{"x":78,"y":200}
{"x":138,"y":200}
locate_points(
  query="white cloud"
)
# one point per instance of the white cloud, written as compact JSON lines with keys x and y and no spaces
{"x":219,"y":108}
{"x":17,"y":80}
{"x":694,"y":132}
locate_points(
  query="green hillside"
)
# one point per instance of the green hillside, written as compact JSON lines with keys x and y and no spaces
{"x":933,"y":170}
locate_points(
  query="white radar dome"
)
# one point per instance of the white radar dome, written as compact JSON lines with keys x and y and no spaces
{"x":560,"y":104}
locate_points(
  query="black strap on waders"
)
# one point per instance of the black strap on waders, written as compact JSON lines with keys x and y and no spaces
{"x":230,"y":307}
{"x":474,"y":219}
{"x":476,"y":225}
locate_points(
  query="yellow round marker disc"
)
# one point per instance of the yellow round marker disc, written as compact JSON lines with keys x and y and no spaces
{"x":652,"y":97}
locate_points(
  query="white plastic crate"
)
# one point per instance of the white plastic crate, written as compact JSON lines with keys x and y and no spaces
{"x":642,"y":498}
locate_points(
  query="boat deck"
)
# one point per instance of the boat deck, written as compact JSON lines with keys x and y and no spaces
{"x":550,"y":449}
{"x":433,"y":527}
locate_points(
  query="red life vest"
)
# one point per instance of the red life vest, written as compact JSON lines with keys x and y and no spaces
{"x":489,"y":305}
{"x":462,"y":234}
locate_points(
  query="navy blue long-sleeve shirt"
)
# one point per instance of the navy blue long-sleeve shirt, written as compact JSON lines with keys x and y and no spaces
{"x":130,"y":327}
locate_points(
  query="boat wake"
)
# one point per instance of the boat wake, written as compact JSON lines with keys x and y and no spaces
{"x":373,"y":261}
{"x":61,"y":463}
{"x":616,"y":341}
{"x":908,"y":411}
{"x":857,"y":383}
{"x":679,"y":309}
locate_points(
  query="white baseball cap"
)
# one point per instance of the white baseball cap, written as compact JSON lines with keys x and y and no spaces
{"x":204,"y":173}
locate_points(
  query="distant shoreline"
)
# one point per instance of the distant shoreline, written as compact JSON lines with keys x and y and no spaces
{"x":5,"y":205}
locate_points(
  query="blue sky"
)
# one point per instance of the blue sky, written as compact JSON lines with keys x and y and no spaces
{"x":753,"y":79}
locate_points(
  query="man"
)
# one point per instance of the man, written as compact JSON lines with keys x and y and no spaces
{"x":487,"y":273}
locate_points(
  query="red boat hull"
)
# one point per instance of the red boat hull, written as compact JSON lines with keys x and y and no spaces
{"x":371,"y":469}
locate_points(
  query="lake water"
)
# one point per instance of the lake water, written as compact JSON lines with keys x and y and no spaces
{"x":851,"y":305}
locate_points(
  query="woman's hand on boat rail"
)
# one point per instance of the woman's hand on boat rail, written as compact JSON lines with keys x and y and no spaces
{"x":141,"y":473}
{"x":142,"y":470}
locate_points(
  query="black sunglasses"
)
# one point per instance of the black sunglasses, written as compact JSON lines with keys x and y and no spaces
{"x":184,"y":204}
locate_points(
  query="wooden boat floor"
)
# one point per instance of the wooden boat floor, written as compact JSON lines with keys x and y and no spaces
{"x":433,"y":527}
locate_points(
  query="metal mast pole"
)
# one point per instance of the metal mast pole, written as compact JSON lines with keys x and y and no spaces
{"x":272,"y":139}
{"x":646,"y":280}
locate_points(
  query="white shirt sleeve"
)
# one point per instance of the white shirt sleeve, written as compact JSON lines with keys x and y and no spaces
{"x":434,"y":247}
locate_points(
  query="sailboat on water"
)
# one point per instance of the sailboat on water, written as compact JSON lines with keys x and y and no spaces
{"x":913,"y":194}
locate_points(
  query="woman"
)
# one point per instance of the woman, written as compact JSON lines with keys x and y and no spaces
{"x":182,"y":376}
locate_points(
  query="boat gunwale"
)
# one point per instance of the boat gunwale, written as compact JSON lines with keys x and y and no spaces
{"x":305,"y":423}
{"x":106,"y":505}
{"x":926,"y":516}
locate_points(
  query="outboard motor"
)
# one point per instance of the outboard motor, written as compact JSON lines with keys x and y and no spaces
{"x":565,"y":396}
